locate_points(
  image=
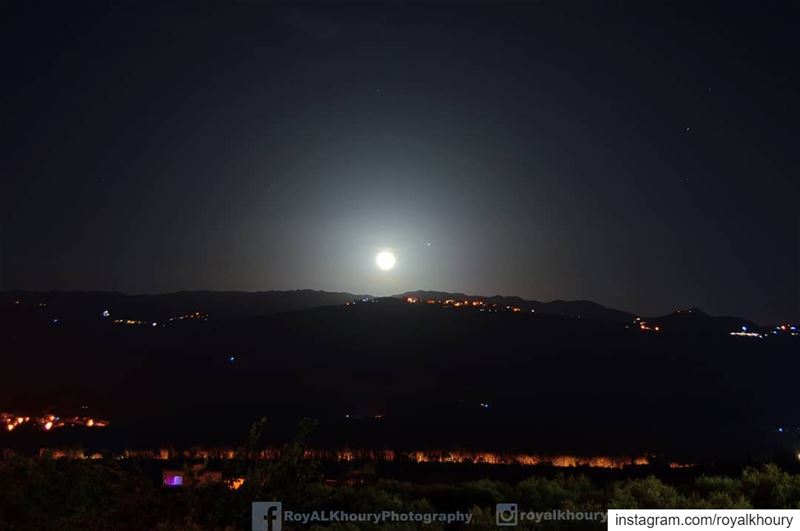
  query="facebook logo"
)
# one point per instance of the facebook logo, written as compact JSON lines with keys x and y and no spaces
{"x":267,"y":516}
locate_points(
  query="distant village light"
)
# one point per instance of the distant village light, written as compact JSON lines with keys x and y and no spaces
{"x":50,"y":422}
{"x":173,"y":479}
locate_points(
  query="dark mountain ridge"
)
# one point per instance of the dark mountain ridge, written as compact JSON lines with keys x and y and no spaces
{"x":580,"y":309}
{"x":232,"y":305}
{"x":220,"y":305}
{"x":434,"y":376}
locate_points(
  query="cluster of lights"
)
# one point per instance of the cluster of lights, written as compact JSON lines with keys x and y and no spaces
{"x":11,"y":422}
{"x":105,"y":314}
{"x":785,"y":329}
{"x":365,"y":299}
{"x":376,"y":416}
{"x":779,"y":330}
{"x":561,"y":461}
{"x":136,"y":322}
{"x":49,"y":422}
{"x":382,"y":455}
{"x":196,"y":315}
{"x":745,"y":333}
{"x":454,"y":303}
{"x":644,"y":327}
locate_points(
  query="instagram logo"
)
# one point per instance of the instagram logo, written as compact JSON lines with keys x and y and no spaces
{"x":506,"y":514}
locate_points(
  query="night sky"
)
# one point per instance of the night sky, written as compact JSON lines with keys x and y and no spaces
{"x":637,"y":154}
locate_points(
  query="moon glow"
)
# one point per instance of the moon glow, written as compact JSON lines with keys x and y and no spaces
{"x":385,"y":260}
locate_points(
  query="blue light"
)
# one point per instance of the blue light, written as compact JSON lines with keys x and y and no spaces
{"x":780,"y":430}
{"x":744,"y":329}
{"x":173,"y":480}
{"x":232,"y":359}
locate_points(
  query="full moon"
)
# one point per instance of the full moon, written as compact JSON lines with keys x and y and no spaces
{"x":385,"y":260}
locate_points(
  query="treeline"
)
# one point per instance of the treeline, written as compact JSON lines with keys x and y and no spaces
{"x":46,"y":494}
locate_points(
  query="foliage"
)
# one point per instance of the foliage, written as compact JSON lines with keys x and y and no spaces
{"x":46,"y":493}
{"x":64,"y":494}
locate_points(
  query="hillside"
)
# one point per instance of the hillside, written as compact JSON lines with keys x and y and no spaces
{"x":388,"y":372}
